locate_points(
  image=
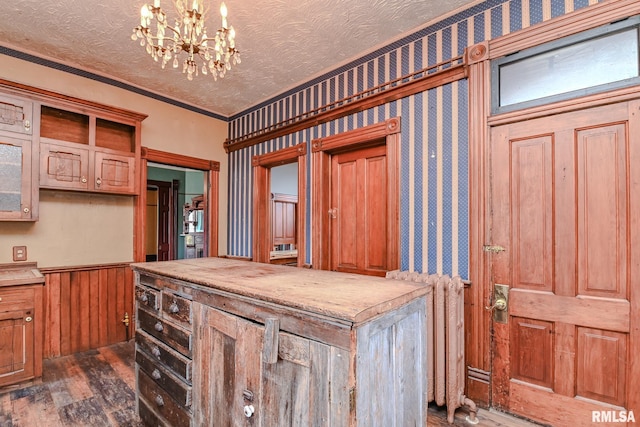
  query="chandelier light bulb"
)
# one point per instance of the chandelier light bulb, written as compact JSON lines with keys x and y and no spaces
{"x":201,"y":54}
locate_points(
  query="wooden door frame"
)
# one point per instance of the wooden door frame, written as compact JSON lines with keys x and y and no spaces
{"x":211,"y":192}
{"x":262,"y":234}
{"x":385,"y":133}
{"x":478,"y":341}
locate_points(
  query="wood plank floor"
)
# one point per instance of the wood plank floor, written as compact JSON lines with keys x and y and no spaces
{"x":96,"y":388}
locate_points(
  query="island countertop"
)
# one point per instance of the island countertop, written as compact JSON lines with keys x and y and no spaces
{"x":348,"y":297}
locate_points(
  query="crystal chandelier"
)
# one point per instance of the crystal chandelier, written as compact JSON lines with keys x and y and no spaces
{"x":188,"y":35}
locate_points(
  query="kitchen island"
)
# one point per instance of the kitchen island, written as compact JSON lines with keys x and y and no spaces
{"x":230,"y":342}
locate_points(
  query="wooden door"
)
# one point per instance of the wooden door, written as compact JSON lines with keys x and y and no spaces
{"x":564,"y":202}
{"x":304,"y":386}
{"x":16,"y":346}
{"x":227,"y":368}
{"x":359,"y":211}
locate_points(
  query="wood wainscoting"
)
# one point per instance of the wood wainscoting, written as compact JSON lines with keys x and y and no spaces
{"x":85,"y":307}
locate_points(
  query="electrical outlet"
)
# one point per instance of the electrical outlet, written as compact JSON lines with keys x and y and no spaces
{"x":19,"y":253}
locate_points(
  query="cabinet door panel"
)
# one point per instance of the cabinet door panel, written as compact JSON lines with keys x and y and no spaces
{"x":16,"y":346}
{"x":16,"y":115}
{"x":306,"y":386}
{"x":227,"y":368}
{"x":114,"y":172}
{"x":18,"y":201}
{"x":64,"y":166}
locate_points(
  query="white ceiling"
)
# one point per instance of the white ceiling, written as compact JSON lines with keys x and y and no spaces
{"x":282,"y":42}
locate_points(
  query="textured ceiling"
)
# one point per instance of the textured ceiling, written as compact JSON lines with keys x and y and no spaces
{"x":282,"y":42}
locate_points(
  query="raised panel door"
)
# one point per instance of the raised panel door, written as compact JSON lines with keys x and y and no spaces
{"x":359,"y":212}
{"x":561,"y":195}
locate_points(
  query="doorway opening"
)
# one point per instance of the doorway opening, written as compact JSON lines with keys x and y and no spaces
{"x":278,"y":210}
{"x":176,"y":224}
{"x":284,"y":219}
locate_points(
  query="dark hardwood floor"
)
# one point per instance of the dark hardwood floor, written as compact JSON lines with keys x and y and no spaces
{"x":96,"y":388}
{"x":93,"y":388}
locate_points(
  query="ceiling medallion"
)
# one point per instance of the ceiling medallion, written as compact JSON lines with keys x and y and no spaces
{"x":188,"y":36}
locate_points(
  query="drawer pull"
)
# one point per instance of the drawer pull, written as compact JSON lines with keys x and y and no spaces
{"x":144,"y":298}
{"x":158,"y":327}
{"x":249,"y":410}
{"x":173,"y":308}
{"x":155,"y":351}
{"x":156,"y":374}
{"x":159,"y":400}
{"x":28,"y":319}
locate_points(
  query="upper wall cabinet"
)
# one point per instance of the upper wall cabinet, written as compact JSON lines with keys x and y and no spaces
{"x":82,"y":151}
{"x":18,"y":172}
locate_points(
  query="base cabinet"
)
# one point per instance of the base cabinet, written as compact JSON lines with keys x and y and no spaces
{"x":280,"y":346}
{"x":21,"y":324}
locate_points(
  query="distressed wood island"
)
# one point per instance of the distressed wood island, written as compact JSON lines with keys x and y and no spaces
{"x":225,"y":342}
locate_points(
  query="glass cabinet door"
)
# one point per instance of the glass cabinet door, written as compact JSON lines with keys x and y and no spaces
{"x":16,"y":195}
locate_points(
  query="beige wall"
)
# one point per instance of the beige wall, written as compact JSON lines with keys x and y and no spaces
{"x":80,"y":228}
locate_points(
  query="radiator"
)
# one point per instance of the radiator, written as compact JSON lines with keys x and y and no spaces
{"x":445,"y":341}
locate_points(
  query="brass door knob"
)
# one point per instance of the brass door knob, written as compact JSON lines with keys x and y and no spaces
{"x":500,"y":304}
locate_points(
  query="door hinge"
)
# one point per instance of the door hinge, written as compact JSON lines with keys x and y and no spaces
{"x":494,"y":249}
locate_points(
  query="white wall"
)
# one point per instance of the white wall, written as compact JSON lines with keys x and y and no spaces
{"x":80,"y":228}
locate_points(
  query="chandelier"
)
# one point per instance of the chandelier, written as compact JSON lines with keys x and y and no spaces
{"x":189,"y":36}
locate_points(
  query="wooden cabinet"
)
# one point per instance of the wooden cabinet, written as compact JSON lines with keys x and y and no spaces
{"x":84,"y":152}
{"x":18,"y":178}
{"x":21,"y":323}
{"x":276,"y":345}
{"x":163,"y":353}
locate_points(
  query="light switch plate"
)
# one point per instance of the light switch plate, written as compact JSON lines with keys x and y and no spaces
{"x":19,"y":253}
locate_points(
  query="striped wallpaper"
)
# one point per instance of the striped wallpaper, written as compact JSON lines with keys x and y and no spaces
{"x":434,"y":199}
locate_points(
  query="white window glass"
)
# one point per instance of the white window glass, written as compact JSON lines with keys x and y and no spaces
{"x":589,"y":63}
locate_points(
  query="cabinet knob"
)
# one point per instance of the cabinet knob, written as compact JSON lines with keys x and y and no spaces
{"x":26,"y":210}
{"x":84,"y":180}
{"x":27,"y":125}
{"x":173,"y":308}
{"x":249,"y":410}
{"x":155,"y":374}
{"x":98,"y":182}
{"x":159,"y":400}
{"x":158,"y":327}
{"x":155,"y":351}
{"x":28,"y":319}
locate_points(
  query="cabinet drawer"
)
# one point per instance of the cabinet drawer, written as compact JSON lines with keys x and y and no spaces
{"x":180,"y":391}
{"x":177,"y":308}
{"x":171,"y":335}
{"x":177,"y":363}
{"x":18,"y":299}
{"x":148,"y":417}
{"x":148,"y":297}
{"x":162,"y":402}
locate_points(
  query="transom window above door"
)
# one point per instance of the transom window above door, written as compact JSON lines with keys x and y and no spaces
{"x":593,"y":61}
